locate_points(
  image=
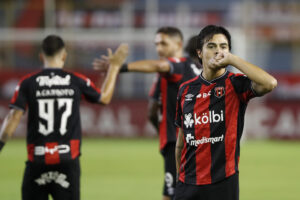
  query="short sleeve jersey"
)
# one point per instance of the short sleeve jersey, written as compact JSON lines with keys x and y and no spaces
{"x":52,"y":97}
{"x":167,"y":87}
{"x":211,"y":114}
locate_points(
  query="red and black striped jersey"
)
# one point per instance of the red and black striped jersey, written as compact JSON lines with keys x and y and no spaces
{"x":211,"y":114}
{"x":166,"y":91}
{"x":53,"y":97}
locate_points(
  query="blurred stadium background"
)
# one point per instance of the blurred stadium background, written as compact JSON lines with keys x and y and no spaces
{"x":265,"y":32}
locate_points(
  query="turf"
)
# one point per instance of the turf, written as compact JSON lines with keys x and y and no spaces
{"x":114,"y":169}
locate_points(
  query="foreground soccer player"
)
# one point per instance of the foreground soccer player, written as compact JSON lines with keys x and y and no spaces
{"x":53,"y":97}
{"x":174,"y":69}
{"x":210,"y":114}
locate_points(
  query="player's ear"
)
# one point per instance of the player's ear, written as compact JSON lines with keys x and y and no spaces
{"x":64,"y":55}
{"x":199,"y":52}
{"x":41,"y":56}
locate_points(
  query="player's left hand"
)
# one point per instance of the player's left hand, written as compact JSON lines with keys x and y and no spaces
{"x":119,"y":57}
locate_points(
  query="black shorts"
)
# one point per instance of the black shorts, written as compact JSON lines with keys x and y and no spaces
{"x":61,"y":181}
{"x":168,"y":154}
{"x":227,"y":189}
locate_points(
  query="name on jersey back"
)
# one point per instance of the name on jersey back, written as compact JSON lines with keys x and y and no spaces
{"x":55,"y":80}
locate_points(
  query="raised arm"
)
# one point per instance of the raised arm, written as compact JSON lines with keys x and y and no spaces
{"x":178,"y":150}
{"x":115,"y":60}
{"x":10,"y":125}
{"x":262,"y":81}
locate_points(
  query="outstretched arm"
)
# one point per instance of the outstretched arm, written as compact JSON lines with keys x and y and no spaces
{"x":262,"y":81}
{"x":146,"y":66}
{"x":149,"y":66}
{"x":9,"y":125}
{"x":178,"y":150}
{"x":115,"y":60}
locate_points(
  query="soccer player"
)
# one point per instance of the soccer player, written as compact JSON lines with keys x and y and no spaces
{"x":210,"y":116}
{"x":52,"y":97}
{"x":174,"y":69}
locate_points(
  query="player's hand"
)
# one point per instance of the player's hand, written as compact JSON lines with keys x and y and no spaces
{"x":101,"y":64}
{"x":221,"y":60}
{"x":119,"y":57}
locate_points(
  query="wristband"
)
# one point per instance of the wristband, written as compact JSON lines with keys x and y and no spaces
{"x":1,"y":145}
{"x":124,"y":68}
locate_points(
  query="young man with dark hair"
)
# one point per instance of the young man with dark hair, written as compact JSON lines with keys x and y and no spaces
{"x":211,"y":123}
{"x":52,"y":97}
{"x":174,"y":69}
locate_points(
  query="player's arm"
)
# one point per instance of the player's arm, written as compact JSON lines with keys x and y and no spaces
{"x":9,"y":125}
{"x":146,"y":66}
{"x":153,"y":108}
{"x":178,"y":150}
{"x":262,"y":82}
{"x":149,"y":66}
{"x":115,"y":60}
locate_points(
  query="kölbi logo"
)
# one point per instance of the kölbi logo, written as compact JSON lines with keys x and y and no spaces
{"x":210,"y":117}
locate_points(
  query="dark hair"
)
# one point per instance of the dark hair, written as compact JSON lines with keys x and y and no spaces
{"x":191,"y":47}
{"x":208,"y":32}
{"x":171,"y":31}
{"x":52,"y":44}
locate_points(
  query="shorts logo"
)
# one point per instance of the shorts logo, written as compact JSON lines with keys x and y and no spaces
{"x":169,"y":180}
{"x":219,"y":92}
{"x":53,"y":176}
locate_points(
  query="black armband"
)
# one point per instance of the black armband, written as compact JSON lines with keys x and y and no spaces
{"x":124,"y":68}
{"x":1,"y":145}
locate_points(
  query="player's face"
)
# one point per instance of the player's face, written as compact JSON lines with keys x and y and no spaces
{"x":166,"y":46}
{"x":211,"y":48}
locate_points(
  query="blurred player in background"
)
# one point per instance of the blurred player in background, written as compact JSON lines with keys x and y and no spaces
{"x":174,"y":69}
{"x":52,"y":97}
{"x":210,"y":117}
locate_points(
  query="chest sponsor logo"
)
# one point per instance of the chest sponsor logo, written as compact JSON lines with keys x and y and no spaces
{"x":54,"y":80}
{"x":203,"y":95}
{"x":189,"y":97}
{"x":204,"y":140}
{"x":219,"y":91}
{"x":204,"y":118}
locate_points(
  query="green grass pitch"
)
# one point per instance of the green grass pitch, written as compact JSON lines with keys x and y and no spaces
{"x":115,"y":169}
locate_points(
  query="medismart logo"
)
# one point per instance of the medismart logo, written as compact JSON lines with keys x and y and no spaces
{"x":191,"y":140}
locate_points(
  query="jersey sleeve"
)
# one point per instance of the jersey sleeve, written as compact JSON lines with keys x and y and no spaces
{"x":176,"y":67}
{"x":88,"y":88}
{"x":243,"y":87}
{"x":155,"y":89}
{"x":20,"y":97}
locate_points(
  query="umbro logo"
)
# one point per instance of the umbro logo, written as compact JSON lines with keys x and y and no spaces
{"x":189,"y":97}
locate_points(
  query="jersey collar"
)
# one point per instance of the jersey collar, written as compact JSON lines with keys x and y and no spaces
{"x":206,"y":82}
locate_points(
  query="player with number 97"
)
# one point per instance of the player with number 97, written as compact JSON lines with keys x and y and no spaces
{"x":52,"y":97}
